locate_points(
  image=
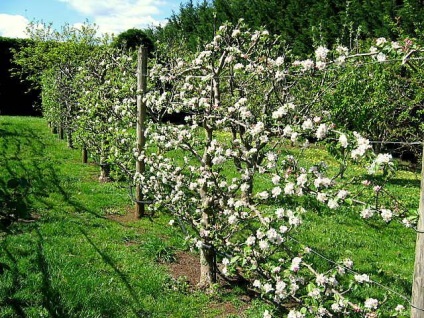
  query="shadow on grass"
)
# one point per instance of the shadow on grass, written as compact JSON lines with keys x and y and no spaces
{"x":28,"y":175}
{"x":109,"y":261}
{"x":11,"y":301}
{"x":410,"y":183}
{"x":51,"y":298}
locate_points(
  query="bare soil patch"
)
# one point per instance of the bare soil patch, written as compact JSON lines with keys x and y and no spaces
{"x":187,"y":268}
{"x":186,"y":265}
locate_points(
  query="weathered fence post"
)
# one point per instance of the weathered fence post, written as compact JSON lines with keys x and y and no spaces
{"x":61,"y":132}
{"x":141,"y":118}
{"x":417,"y":310}
{"x":84,"y":154}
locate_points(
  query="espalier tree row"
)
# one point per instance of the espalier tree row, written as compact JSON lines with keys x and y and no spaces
{"x":246,"y":101}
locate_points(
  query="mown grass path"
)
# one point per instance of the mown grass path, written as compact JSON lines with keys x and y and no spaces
{"x":64,"y":257}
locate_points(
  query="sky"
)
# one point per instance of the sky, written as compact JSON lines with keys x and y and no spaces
{"x":111,"y":16}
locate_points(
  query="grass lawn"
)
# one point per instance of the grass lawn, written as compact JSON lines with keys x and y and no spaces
{"x":75,"y":251}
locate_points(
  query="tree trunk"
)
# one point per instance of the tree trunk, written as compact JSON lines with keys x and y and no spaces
{"x":207,"y":253}
{"x":104,"y":173}
{"x":104,"y":167}
{"x":207,"y":267}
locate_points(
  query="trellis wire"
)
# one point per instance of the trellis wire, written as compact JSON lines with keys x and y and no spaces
{"x":174,"y":76}
{"x":357,"y":273}
{"x":396,"y":142}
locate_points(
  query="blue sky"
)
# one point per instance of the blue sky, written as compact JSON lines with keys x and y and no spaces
{"x":111,"y":16}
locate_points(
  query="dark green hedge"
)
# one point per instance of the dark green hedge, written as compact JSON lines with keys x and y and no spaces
{"x":16,"y":98}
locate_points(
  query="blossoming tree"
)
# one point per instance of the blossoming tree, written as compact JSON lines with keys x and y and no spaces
{"x":106,"y":114}
{"x":247,"y":103}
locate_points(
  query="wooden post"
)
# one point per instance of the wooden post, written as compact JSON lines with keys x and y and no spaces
{"x":61,"y":132}
{"x":417,"y":310}
{"x":84,"y":154}
{"x":69,"y":139}
{"x":141,"y":118}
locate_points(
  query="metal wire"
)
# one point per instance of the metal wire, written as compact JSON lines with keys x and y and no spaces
{"x":357,"y":273}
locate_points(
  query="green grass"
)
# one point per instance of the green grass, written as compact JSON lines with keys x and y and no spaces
{"x":64,"y":257}
{"x":70,"y":260}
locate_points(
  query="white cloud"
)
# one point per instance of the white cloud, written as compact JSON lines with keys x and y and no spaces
{"x":13,"y":26}
{"x":115,"y":16}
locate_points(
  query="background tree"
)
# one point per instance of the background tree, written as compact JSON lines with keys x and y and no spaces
{"x":132,"y":39}
{"x":53,"y":59}
{"x":300,"y":23}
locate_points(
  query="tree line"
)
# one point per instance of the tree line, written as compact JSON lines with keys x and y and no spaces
{"x":304,"y":24}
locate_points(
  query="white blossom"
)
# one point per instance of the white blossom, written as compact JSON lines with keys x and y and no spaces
{"x":333,"y":204}
{"x":400,"y":308}
{"x":267,"y":287}
{"x":371,"y":303}
{"x":380,"y":41}
{"x":267,"y":314}
{"x":321,"y":196}
{"x":307,"y":65}
{"x":342,"y":50}
{"x":295,"y":265}
{"x":322,"y":131}
{"x":257,"y":283}
{"x":315,"y":293}
{"x":279,"y":61}
{"x":276,"y":179}
{"x":307,"y":124}
{"x":386,"y":214}
{"x":263,"y":245}
{"x":383,"y":158}
{"x":367,"y":213}
{"x":263,"y":195}
{"x":302,"y":179}
{"x":235,"y":33}
{"x":321,"y":53}
{"x":289,"y":188}
{"x":364,"y":278}
{"x":348,"y":263}
{"x":381,"y":57}
{"x":343,"y":140}
{"x":342,"y":194}
{"x":287,"y":131}
{"x":244,"y":187}
{"x":232,"y":219}
{"x":295,"y":314}
{"x":321,"y":280}
{"x":276,"y":192}
{"x":250,"y":240}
